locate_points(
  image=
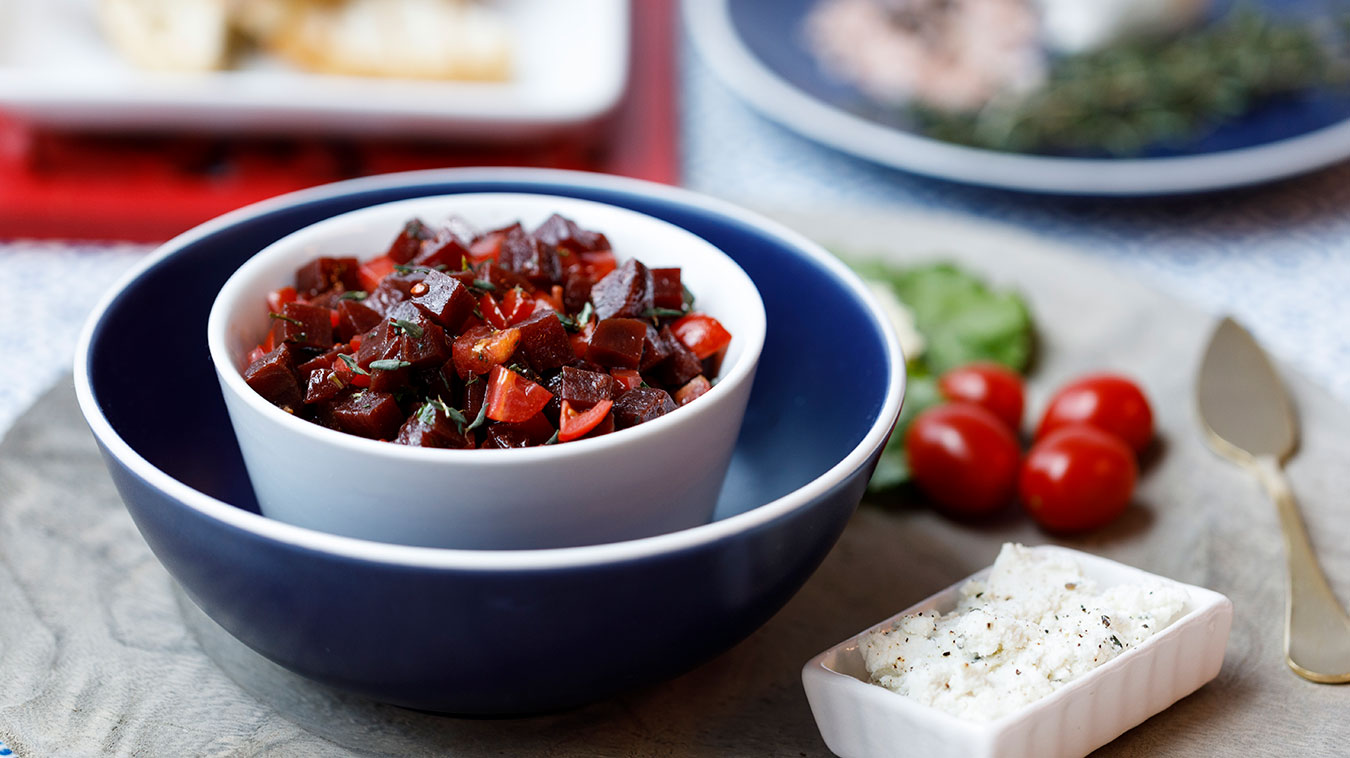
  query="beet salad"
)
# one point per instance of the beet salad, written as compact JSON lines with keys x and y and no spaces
{"x":509,"y":338}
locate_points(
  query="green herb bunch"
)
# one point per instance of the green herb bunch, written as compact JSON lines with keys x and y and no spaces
{"x":1129,"y":96}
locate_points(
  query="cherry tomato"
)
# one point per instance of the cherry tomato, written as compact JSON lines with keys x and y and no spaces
{"x":1077,"y":478}
{"x":992,"y":386}
{"x":963,"y":458}
{"x":513,"y":398}
{"x":1109,"y":402}
{"x":701,"y":333}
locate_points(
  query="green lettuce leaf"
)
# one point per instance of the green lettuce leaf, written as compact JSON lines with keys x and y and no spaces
{"x":963,"y":321}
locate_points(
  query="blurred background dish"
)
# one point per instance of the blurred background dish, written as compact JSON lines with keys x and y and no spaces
{"x":786,"y":59}
{"x":338,"y":68}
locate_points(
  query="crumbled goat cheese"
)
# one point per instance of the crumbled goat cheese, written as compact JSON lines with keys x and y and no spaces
{"x":1035,"y":624}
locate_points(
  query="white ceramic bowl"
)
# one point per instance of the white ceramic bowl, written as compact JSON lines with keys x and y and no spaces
{"x":863,"y":720}
{"x":650,"y":479}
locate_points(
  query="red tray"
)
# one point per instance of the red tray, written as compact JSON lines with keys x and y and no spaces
{"x":149,"y":188}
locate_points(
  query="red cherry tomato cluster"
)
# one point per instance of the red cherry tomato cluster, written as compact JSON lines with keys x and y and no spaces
{"x":1081,"y":468}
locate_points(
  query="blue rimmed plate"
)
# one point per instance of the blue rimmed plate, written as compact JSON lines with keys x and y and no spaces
{"x":757,"y":49}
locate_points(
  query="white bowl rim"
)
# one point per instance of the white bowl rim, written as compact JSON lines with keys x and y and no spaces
{"x":492,"y":560}
{"x":737,"y":373}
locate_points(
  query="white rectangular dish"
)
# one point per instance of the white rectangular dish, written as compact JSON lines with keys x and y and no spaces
{"x":570,"y":60}
{"x":862,"y":720}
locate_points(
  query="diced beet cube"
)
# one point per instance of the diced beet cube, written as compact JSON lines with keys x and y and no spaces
{"x":443,"y":298}
{"x":354,"y":318}
{"x":535,"y":430}
{"x":666,"y":289}
{"x":318,"y":360}
{"x":379,"y":344}
{"x":323,"y":274}
{"x":692,"y":390}
{"x":712,"y":365}
{"x":505,"y":436}
{"x":576,"y":290}
{"x":557,"y":231}
{"x":324,"y":385}
{"x":544,"y":341}
{"x":626,"y":292}
{"x":584,"y":389}
{"x":390,"y":380}
{"x":617,"y":342}
{"x":306,"y":325}
{"x":369,"y":414}
{"x":641,"y":404}
{"x":502,"y":278}
{"x":425,"y":350}
{"x":681,"y":366}
{"x":475,"y":396}
{"x":408,"y":243}
{"x":444,"y":249}
{"x":393,"y":289}
{"x":272,"y":377}
{"x":655,"y":348}
{"x":527,"y":257}
{"x":428,"y":426}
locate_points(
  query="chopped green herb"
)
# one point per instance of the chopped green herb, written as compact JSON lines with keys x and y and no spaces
{"x":427,"y":414}
{"x":389,"y":364}
{"x":569,"y":323}
{"x":554,"y":438}
{"x":479,"y":419}
{"x":353,"y":365}
{"x":587,"y":311}
{"x":406,"y":269}
{"x":357,"y":295}
{"x":287,"y":319}
{"x":408,"y":328}
{"x":1116,"y":641}
{"x":485,"y":285}
{"x":655,"y":313}
{"x":688,"y":297}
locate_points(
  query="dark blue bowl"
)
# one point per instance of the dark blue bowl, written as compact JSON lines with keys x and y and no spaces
{"x":470,"y":631}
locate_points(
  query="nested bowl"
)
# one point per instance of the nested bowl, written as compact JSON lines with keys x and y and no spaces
{"x":653,"y":478}
{"x":492,"y":631}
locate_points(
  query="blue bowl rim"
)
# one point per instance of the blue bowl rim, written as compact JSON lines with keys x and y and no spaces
{"x":491,"y":560}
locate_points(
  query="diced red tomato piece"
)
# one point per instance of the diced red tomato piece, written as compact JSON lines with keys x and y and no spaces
{"x":478,"y":350}
{"x":702,"y":334}
{"x":598,"y":264}
{"x":553,"y":300}
{"x":355,"y":343}
{"x":269,"y":342}
{"x":373,"y":271}
{"x":492,"y":313}
{"x":335,"y":318}
{"x":582,"y":339}
{"x":628,"y":378}
{"x":487,"y":248}
{"x":516,"y":306}
{"x":348,"y":376}
{"x":255,"y":355}
{"x":277,"y":300}
{"x":574,"y":424}
{"x":513,"y":398}
{"x":692,"y":390}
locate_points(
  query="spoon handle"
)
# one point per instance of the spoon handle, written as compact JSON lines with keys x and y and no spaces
{"x":1317,"y":630}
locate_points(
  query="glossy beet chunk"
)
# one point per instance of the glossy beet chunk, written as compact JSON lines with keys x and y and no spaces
{"x":544,"y":341}
{"x":305,"y":325}
{"x":617,"y":342}
{"x":273,"y":377}
{"x":428,"y":426}
{"x":409,"y":241}
{"x":680,"y":365}
{"x":445,"y":248}
{"x":667,"y":291}
{"x":640,"y":405}
{"x":324,"y":385}
{"x":443,"y":299}
{"x":354,"y":318}
{"x":560,"y":232}
{"x":527,"y":257}
{"x":624,"y":292}
{"x":371,"y":414}
{"x":424,"y":346}
{"x":323,"y":274}
{"x":584,"y":389}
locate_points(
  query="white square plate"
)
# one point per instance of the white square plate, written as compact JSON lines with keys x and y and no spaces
{"x":863,"y":720}
{"x":571,"y":67}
